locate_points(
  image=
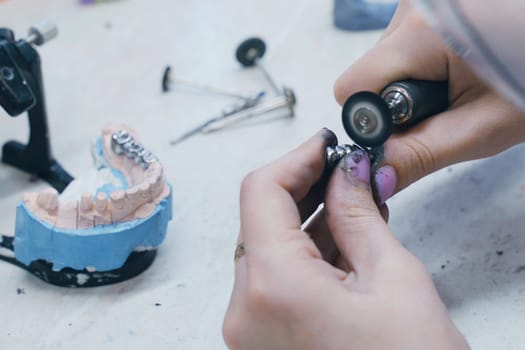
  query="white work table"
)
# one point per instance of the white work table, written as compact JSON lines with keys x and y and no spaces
{"x":465,"y":222}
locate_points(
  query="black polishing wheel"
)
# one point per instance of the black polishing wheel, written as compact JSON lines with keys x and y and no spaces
{"x":367,"y":119}
{"x":249,"y":51}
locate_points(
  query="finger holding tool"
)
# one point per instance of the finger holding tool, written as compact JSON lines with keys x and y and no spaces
{"x":369,"y":119}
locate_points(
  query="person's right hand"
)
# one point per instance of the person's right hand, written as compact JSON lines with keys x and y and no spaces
{"x":479,"y":123}
{"x":286,"y":296}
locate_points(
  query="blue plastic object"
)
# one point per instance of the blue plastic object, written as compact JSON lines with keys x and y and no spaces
{"x":362,"y":14}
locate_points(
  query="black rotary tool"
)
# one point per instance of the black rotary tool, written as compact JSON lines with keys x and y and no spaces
{"x":369,"y":118}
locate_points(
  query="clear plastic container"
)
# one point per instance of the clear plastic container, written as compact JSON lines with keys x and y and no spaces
{"x":488,"y":35}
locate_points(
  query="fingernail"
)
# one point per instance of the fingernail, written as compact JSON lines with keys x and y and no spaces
{"x":385,"y":180}
{"x":329,"y":137}
{"x":356,"y":165}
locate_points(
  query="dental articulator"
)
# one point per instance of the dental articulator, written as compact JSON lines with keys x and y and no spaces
{"x":82,"y":238}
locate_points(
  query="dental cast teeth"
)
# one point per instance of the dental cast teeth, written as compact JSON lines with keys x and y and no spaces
{"x":146,"y":187}
{"x":48,"y":200}
{"x":122,"y":143}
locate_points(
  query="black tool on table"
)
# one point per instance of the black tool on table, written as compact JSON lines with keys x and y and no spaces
{"x":369,"y":118}
{"x":21,"y":90}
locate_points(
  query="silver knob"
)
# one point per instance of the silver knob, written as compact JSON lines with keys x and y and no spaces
{"x":42,"y":32}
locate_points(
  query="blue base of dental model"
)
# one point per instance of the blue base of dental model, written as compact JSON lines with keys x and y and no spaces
{"x":362,"y":14}
{"x":100,"y":255}
{"x":101,"y":248}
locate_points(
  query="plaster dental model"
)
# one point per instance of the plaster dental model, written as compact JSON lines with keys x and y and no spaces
{"x":98,"y":231}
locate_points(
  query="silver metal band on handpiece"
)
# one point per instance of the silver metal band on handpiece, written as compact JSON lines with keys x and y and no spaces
{"x":122,"y":143}
{"x":399,"y":102}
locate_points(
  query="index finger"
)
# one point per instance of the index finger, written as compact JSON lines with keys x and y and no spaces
{"x":412,"y":50}
{"x":403,"y":7}
{"x":269,"y":196}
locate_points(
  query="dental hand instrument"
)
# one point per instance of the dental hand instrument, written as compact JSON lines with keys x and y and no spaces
{"x":226,"y":113}
{"x":168,"y":81}
{"x":249,"y":54}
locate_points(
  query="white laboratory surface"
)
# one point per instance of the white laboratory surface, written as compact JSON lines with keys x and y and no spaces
{"x":465,"y":222}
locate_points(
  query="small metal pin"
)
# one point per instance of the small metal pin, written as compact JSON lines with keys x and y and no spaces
{"x":168,"y":81}
{"x":286,"y":100}
{"x":42,"y":32}
{"x":226,"y":117}
{"x":268,"y":77}
{"x":249,"y":54}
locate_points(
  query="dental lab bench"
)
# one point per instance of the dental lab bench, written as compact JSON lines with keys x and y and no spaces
{"x":105,"y":67}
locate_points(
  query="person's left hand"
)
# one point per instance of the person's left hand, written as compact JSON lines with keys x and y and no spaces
{"x":286,"y":296}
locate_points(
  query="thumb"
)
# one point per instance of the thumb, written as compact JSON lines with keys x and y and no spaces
{"x":359,"y":231}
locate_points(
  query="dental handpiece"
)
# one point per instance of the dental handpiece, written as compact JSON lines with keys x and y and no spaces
{"x":369,"y":118}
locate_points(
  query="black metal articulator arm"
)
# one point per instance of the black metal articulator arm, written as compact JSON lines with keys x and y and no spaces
{"x":22,"y":89}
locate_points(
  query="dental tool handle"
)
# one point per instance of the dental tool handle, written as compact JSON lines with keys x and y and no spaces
{"x":411,"y":101}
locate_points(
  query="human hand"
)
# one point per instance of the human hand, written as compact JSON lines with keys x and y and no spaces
{"x":287,"y":297}
{"x":479,"y":123}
